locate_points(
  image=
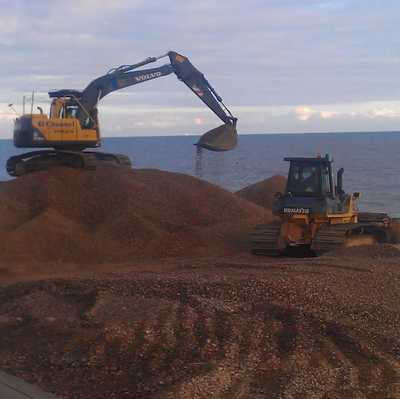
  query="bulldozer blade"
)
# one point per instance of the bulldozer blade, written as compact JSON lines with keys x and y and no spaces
{"x":222,"y":138}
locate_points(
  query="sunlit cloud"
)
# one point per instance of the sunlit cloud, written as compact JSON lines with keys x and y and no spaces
{"x":383,"y":112}
{"x":304,"y":113}
{"x":329,"y":114}
{"x":6,"y":116}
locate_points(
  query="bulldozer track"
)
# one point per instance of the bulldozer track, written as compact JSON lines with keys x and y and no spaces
{"x":264,"y":239}
{"x":330,"y":238}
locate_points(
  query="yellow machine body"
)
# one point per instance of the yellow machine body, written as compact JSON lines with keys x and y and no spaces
{"x":61,"y":130}
{"x":301,"y":229}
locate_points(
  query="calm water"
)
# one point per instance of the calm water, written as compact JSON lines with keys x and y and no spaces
{"x":371,"y":160}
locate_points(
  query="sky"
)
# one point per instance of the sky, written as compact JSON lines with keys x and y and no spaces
{"x":281,"y":66}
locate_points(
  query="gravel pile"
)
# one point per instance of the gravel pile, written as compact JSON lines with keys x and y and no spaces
{"x":118,"y":214}
{"x":263,"y":192}
{"x":381,"y":251}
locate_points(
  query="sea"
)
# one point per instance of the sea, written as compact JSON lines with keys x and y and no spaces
{"x":371,"y":160}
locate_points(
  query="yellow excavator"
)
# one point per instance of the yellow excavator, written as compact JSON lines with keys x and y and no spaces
{"x":72,"y":125}
{"x":317,"y":216}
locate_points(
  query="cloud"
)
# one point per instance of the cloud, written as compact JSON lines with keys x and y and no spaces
{"x":104,"y":5}
{"x":304,"y":113}
{"x":383,"y":112}
{"x":329,"y":114}
{"x":310,"y":63}
{"x":7,"y":116}
{"x":252,"y":120}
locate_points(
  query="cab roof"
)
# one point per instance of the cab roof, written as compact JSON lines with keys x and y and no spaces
{"x":309,"y":159}
{"x":65,"y":93}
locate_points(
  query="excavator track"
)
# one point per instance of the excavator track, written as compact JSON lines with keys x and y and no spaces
{"x":264,"y":239}
{"x":118,"y":159}
{"x":34,"y":161}
{"x":330,"y":238}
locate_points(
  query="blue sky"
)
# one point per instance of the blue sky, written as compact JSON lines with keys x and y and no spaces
{"x":281,"y":66}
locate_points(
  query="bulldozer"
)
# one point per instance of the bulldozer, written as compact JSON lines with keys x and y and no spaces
{"x":317,"y":216}
{"x":73,"y":126}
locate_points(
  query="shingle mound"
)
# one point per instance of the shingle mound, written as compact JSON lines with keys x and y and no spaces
{"x":118,"y":214}
{"x":263,"y":192}
{"x":373,"y":251}
{"x":220,"y":330}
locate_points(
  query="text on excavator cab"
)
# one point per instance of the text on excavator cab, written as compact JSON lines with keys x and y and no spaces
{"x":56,"y":124}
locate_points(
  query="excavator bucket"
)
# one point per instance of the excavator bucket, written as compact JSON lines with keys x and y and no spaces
{"x":222,"y":138}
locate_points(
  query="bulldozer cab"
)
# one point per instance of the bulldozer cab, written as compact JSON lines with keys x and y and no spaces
{"x":310,"y":190}
{"x":317,"y":216}
{"x":310,"y":177}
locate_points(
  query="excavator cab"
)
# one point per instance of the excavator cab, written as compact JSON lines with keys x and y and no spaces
{"x":64,"y":108}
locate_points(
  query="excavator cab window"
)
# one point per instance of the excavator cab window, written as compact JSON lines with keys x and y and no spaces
{"x":51,"y":115}
{"x":61,"y":113}
{"x":91,"y":121}
{"x":67,"y":109}
{"x":72,"y":111}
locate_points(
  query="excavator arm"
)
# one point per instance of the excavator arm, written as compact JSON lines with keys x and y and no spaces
{"x":222,"y":138}
{"x":200,"y":86}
